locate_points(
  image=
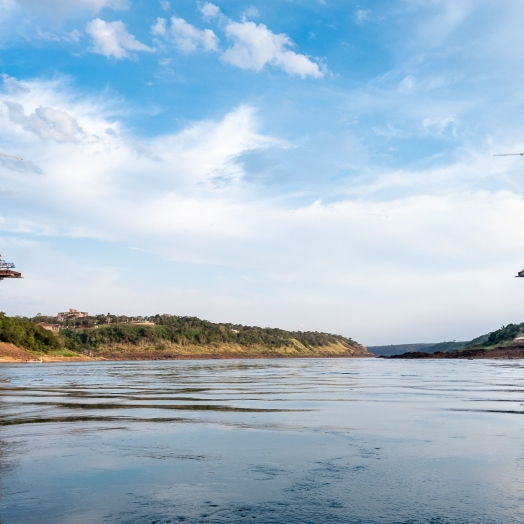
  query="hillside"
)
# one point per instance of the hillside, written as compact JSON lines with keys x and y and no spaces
{"x":502,"y":337}
{"x":172,"y":337}
{"x":429,"y":348}
{"x":396,"y":349}
{"x":501,"y":343}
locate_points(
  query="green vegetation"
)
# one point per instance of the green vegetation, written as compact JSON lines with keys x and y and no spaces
{"x":503,"y":336}
{"x":185,"y":331}
{"x":108,"y":335}
{"x":397,"y":349}
{"x":484,"y":341}
{"x":24,"y":334}
{"x":478,"y":341}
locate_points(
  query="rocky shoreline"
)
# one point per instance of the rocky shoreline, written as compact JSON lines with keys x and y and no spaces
{"x":509,"y":352}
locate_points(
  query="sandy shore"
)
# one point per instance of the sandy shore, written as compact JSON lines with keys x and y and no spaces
{"x":10,"y":353}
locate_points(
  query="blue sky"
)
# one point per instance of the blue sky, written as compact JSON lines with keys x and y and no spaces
{"x":304,"y":164}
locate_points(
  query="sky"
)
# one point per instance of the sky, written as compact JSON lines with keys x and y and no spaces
{"x":304,"y":164}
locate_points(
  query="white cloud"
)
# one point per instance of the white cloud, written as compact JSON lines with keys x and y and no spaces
{"x":111,"y":164}
{"x":361,"y":15}
{"x":46,"y":122}
{"x":13,"y":86}
{"x":186,"y":37}
{"x":73,"y":36}
{"x":111,"y":39}
{"x":255,"y":46}
{"x":166,"y":6}
{"x":441,"y":125}
{"x":160,"y":27}
{"x":250,"y":12}
{"x":210,"y":11}
{"x":407,"y":84}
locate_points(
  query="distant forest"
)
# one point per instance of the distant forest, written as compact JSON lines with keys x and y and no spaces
{"x":396,"y":349}
{"x":502,"y":336}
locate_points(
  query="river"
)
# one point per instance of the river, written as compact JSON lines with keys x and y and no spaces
{"x":352,"y":441}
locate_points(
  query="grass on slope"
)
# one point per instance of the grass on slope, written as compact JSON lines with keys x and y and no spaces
{"x":24,"y":334}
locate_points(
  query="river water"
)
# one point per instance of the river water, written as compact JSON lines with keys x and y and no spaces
{"x":284,"y":441}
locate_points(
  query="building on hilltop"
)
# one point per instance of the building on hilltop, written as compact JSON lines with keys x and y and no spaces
{"x":71,"y":314}
{"x":55,"y":328}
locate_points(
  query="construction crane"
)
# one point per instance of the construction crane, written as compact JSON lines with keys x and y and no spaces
{"x":7,"y":270}
{"x":520,"y":274}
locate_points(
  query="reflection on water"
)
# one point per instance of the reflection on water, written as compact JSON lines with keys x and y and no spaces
{"x":298,"y":441}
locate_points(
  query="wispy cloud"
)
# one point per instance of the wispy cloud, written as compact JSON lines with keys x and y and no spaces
{"x":166,"y":6}
{"x":186,"y":37}
{"x":361,"y":15}
{"x":112,"y":39}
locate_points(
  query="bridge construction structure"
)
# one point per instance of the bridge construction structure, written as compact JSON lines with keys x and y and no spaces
{"x":7,"y":270}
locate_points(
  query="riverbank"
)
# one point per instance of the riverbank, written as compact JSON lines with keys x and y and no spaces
{"x":508,"y":352}
{"x":10,"y":353}
{"x":162,"y":337}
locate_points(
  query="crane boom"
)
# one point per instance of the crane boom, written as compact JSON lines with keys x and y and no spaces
{"x":11,"y":156}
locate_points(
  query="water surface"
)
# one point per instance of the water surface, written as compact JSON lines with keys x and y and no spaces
{"x":285,"y":441}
